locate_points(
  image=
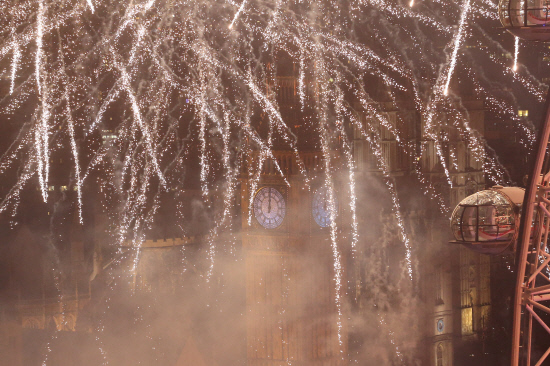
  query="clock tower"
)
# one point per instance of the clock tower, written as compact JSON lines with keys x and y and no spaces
{"x":291,"y":311}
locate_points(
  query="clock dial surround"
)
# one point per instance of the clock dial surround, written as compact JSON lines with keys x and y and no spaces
{"x":269,"y":207}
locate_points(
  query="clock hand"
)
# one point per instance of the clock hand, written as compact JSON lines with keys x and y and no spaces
{"x":269,"y":202}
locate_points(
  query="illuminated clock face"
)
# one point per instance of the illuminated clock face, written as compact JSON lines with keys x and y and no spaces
{"x":269,"y":207}
{"x":320,"y":207}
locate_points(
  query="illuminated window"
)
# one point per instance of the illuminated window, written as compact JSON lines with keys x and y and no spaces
{"x":468,"y":289}
{"x":108,"y":136}
{"x":51,"y":188}
{"x":523,"y":113}
{"x":63,"y":188}
{"x":467,"y":321}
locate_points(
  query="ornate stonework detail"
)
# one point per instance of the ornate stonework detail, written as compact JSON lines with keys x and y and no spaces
{"x":66,"y":322}
{"x":33,"y":322}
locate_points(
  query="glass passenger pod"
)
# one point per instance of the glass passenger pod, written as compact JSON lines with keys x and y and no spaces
{"x":488,"y":221}
{"x":529,"y":20}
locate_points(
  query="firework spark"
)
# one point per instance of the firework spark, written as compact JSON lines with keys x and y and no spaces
{"x":456,"y":43}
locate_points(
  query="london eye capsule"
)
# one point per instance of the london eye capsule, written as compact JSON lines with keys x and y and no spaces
{"x":526,"y":19}
{"x":488,"y":221}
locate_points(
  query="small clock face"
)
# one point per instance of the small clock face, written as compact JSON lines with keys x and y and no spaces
{"x":440,"y":325}
{"x":320,"y":207}
{"x":269,"y":207}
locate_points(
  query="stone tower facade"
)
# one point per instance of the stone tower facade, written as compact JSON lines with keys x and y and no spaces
{"x":292,"y":315}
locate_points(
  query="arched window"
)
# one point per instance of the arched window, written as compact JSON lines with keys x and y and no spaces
{"x":439,"y":355}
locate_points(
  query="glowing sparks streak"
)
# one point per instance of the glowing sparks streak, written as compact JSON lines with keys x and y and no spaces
{"x":14,"y":65}
{"x":42,"y":131}
{"x":111,"y":98}
{"x":137,"y":115}
{"x":321,"y":104}
{"x":516,"y":53}
{"x":338,"y":271}
{"x":431,"y":132}
{"x":353,"y":201}
{"x":370,"y":107}
{"x":403,"y":235}
{"x":42,"y":147}
{"x":376,"y":148}
{"x":74,"y":150}
{"x":337,"y":256}
{"x":15,"y":192}
{"x":348,"y":153}
{"x":228,"y":195}
{"x":39,"y":37}
{"x":205,"y":167}
{"x":91,"y":5}
{"x":140,"y":34}
{"x":272,"y":110}
{"x":279,"y":125}
{"x":453,"y":159}
{"x":301,"y":81}
{"x":457,"y":41}
{"x":441,"y":156}
{"x":241,"y":8}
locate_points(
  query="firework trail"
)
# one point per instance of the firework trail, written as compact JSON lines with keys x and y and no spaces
{"x":516,"y":53}
{"x":456,"y":44}
{"x":14,"y":65}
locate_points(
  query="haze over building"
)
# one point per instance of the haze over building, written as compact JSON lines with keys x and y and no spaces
{"x":275,"y":190}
